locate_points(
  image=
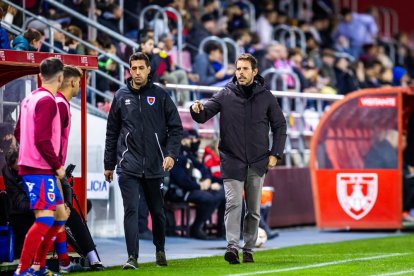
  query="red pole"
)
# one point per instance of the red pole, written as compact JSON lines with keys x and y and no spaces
{"x":83,"y":140}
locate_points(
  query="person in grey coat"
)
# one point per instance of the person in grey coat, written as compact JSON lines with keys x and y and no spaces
{"x":247,"y":112}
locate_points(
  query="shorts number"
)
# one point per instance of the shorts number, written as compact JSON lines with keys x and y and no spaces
{"x":52,"y":185}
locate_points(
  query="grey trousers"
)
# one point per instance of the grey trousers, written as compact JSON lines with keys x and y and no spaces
{"x":252,"y":191}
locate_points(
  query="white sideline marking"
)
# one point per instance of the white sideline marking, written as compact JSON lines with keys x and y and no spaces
{"x":321,"y":264}
{"x":396,"y":273}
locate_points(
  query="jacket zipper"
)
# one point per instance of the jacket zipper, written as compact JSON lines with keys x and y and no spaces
{"x":125,"y":151}
{"x":159,"y":146}
{"x":143,"y":136}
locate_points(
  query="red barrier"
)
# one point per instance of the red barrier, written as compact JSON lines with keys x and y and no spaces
{"x":352,"y":187}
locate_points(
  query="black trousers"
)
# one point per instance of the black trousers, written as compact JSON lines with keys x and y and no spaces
{"x":207,"y":202}
{"x":153,"y":192}
{"x":21,"y":224}
{"x":142,"y":212}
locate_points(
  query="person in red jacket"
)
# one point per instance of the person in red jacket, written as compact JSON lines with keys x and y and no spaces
{"x":211,"y":159}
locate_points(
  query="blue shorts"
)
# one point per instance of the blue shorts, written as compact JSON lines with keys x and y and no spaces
{"x":42,"y":191}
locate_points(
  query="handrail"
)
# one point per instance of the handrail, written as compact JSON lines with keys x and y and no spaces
{"x":302,"y":38}
{"x":285,"y":29}
{"x":288,"y":94}
{"x":252,"y":14}
{"x":122,"y":64}
{"x":159,"y":9}
{"x":234,"y":44}
{"x":87,"y":44}
{"x":223,"y":46}
{"x":179,"y":31}
{"x":98,"y":26}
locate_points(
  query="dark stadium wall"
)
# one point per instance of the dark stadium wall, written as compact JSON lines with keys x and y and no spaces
{"x":404,"y":9}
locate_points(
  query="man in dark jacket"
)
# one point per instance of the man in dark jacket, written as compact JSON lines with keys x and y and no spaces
{"x":143,"y":139}
{"x":247,"y":111}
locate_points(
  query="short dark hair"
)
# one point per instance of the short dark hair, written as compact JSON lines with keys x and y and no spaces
{"x":32,"y":34}
{"x":210,"y":47}
{"x":248,"y":57}
{"x":139,"y":56}
{"x":49,"y":67}
{"x":70,"y":71}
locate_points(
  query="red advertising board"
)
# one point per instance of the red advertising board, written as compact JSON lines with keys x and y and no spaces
{"x":359,"y":199}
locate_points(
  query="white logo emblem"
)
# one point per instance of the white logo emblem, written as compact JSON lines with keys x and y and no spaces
{"x":127,"y":102}
{"x":161,"y":186}
{"x":30,"y":186}
{"x":357,"y":193}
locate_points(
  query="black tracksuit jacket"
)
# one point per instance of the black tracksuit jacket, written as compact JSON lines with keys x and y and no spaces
{"x":143,"y":127}
{"x":244,"y":128}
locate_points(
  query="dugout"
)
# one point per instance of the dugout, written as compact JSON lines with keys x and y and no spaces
{"x":357,"y":160}
{"x":18,"y":77}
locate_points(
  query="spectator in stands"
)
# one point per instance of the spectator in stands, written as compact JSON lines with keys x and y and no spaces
{"x":199,"y":31}
{"x":198,"y":187}
{"x":360,"y":29}
{"x":109,"y":16}
{"x":208,"y":66}
{"x":211,"y":159}
{"x":29,"y":41}
{"x":345,"y":80}
{"x":243,"y":38}
{"x":264,"y":26}
{"x":235,"y":19}
{"x":4,"y":37}
{"x":22,"y":218}
{"x":371,"y":76}
{"x":244,"y":105}
{"x":171,"y":73}
{"x":72,"y":44}
{"x":327,"y":68}
{"x":156,"y":111}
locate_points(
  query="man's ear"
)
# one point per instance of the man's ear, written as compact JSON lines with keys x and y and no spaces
{"x":255,"y":71}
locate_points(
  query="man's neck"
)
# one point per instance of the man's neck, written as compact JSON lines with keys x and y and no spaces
{"x":66,"y":94}
{"x":137,"y":87}
{"x":52,"y":88}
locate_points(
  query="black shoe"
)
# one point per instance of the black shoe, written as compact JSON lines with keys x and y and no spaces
{"x":248,"y":256}
{"x":160,"y":258}
{"x":97,"y":266}
{"x":131,"y":263}
{"x":232,"y":255}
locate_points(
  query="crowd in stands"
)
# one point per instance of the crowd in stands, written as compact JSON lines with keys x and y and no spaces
{"x":344,"y":49}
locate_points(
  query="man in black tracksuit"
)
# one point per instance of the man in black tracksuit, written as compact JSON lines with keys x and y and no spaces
{"x":247,"y":112}
{"x":143,"y":138}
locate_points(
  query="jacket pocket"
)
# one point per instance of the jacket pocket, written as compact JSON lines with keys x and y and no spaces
{"x":125,"y":151}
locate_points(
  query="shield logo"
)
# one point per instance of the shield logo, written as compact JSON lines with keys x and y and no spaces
{"x":357,"y":193}
{"x":51,"y":196}
{"x":150,"y":100}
